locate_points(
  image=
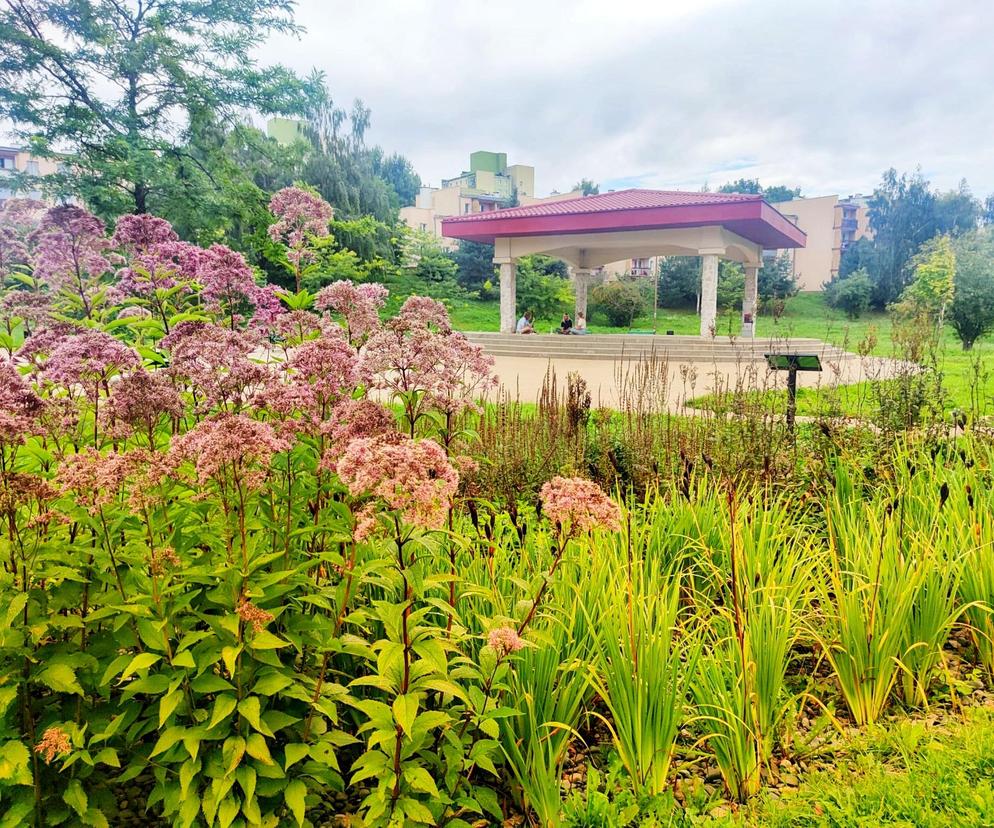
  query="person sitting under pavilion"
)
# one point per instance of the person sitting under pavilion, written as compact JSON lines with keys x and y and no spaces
{"x":525,"y":325}
{"x":580,"y":326}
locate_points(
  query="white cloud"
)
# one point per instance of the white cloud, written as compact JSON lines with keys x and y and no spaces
{"x":668,"y":94}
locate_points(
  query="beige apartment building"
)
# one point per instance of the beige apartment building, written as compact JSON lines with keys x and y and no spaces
{"x":489,"y":184}
{"x":831,"y":224}
{"x":15,"y":160}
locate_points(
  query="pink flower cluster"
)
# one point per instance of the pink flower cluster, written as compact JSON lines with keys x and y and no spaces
{"x":18,"y":217}
{"x":329,"y":366}
{"x":504,"y":641}
{"x":351,"y":420}
{"x":300,"y":216}
{"x":89,"y":359}
{"x":230,"y":290}
{"x":95,"y":479}
{"x":411,"y":477}
{"x":156,"y":258}
{"x":577,"y":505}
{"x":19,"y":405}
{"x":214,"y":362}
{"x":416,"y":351}
{"x":227,"y":445}
{"x":358,"y":305}
{"x":70,"y":249}
{"x":27,"y":305}
{"x":142,"y":398}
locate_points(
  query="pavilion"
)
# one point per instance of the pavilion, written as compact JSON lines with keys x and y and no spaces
{"x":592,"y":231}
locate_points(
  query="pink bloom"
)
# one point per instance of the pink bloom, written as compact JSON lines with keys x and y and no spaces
{"x":578,"y":505}
{"x":18,"y":217}
{"x":301,"y":217}
{"x":230,"y":289}
{"x":141,"y":399}
{"x":95,"y":479}
{"x":294,"y":327}
{"x":505,"y":640}
{"x":19,"y":406}
{"x":214,"y":362}
{"x":358,"y":305}
{"x":411,"y":477}
{"x":27,"y":305}
{"x":228,"y":446}
{"x":89,"y":358}
{"x":253,"y":616}
{"x":422,"y":311}
{"x":138,"y":234}
{"x":447,"y":369}
{"x":349,"y":420}
{"x":70,"y":252}
{"x":329,"y":366}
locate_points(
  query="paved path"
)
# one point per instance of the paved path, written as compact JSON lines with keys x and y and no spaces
{"x":613,"y":384}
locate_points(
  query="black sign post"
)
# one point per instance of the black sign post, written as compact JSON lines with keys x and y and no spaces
{"x":792,"y":363}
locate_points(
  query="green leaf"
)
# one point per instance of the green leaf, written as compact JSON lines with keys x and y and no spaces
{"x":224,"y":706}
{"x":250,"y":708}
{"x":265,"y":640}
{"x":184,"y":659}
{"x":294,"y":753}
{"x":75,"y":797}
{"x":168,"y":704}
{"x":227,"y":811}
{"x":405,"y":710}
{"x":61,"y":678}
{"x":271,"y":683}
{"x":420,"y":780}
{"x":256,"y":747}
{"x":142,"y":661}
{"x":108,"y":756}
{"x":294,"y":796}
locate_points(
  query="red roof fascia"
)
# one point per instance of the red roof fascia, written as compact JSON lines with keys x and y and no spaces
{"x":748,"y":216}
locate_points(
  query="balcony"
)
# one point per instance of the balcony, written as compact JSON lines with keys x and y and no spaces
{"x":849,"y":225}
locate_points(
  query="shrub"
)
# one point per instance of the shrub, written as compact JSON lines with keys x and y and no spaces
{"x":971,"y":313}
{"x":850,"y":294}
{"x":619,"y":301}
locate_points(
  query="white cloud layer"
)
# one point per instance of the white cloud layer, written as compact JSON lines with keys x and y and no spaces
{"x":822,"y":94}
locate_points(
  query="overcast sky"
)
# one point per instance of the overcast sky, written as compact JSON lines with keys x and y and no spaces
{"x":823,"y":95}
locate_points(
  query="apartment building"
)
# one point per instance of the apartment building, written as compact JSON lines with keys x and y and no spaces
{"x":16,"y":160}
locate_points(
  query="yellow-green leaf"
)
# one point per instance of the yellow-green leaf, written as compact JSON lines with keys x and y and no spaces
{"x":256,"y":747}
{"x":405,"y":711}
{"x":295,"y":795}
{"x":142,"y":661}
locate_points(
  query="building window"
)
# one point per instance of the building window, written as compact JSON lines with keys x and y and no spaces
{"x":465,"y":208}
{"x":423,"y":226}
{"x":32,"y":168}
{"x":6,"y":162}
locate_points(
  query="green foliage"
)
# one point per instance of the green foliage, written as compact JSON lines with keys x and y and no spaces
{"x":620,"y":301}
{"x":542,"y":287}
{"x":971,"y":313}
{"x":775,"y":280}
{"x":118,"y":77}
{"x":475,"y":264}
{"x":586,"y":187}
{"x":774,"y":194}
{"x":851,"y":293}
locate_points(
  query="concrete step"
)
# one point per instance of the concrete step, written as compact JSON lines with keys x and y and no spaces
{"x":672,"y":348}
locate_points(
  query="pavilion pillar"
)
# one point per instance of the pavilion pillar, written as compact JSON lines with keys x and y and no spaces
{"x":508,"y":294}
{"x":709,"y":293}
{"x":749,"y":300}
{"x":581,"y":285}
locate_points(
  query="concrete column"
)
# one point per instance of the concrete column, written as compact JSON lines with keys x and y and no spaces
{"x":508,"y":295}
{"x":749,"y":303}
{"x":581,"y":283}
{"x":709,"y":294}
